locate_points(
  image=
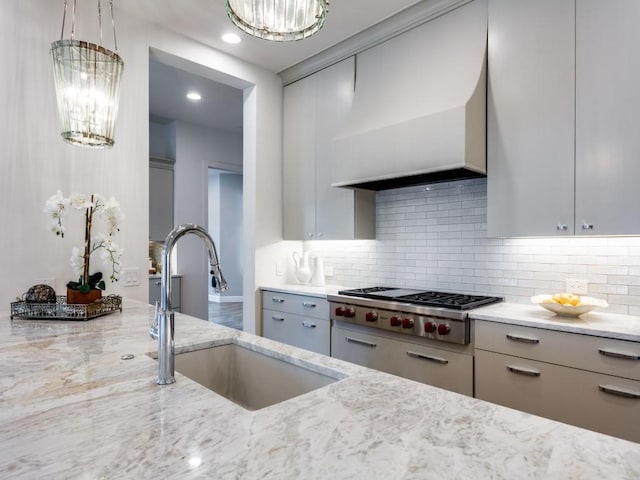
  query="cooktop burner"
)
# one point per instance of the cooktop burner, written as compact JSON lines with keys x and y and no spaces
{"x":454,"y":301}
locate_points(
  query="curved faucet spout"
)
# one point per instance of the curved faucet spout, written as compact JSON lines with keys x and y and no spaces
{"x":164,"y":315}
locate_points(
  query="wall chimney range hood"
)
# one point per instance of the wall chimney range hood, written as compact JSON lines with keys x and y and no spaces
{"x":419,"y":107}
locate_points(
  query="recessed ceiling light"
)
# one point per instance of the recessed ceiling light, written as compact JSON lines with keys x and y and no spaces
{"x":231,"y":38}
{"x":194,"y":96}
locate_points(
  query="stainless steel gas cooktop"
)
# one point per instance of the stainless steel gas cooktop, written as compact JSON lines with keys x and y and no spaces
{"x":435,"y":315}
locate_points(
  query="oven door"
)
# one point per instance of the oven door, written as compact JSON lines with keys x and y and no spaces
{"x":419,"y":360}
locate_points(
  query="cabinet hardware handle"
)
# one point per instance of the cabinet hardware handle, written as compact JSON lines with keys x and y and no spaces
{"x":308,"y":325}
{"x":310,"y":235}
{"x":277,"y":300}
{"x":360,"y":342}
{"x":428,"y":357}
{"x":587,"y":226}
{"x":308,"y":305}
{"x":523,"y":371}
{"x":621,"y":392}
{"x":617,"y":354}
{"x":561,"y":227}
{"x":521,"y":338}
{"x":157,"y":283}
{"x":277,"y":319}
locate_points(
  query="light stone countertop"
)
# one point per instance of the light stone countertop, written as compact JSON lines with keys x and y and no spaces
{"x":71,"y":408}
{"x":598,"y":322}
{"x":305,"y":289}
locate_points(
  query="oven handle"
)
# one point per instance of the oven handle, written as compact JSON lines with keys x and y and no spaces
{"x":421,"y":356}
{"x":360,"y":342}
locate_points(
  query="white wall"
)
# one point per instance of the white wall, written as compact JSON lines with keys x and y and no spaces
{"x":437,"y":239}
{"x":36,"y":162}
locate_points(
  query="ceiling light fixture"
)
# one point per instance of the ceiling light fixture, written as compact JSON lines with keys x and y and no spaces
{"x":195,"y":96}
{"x":87,"y":82}
{"x":231,"y":38}
{"x":278,"y":20}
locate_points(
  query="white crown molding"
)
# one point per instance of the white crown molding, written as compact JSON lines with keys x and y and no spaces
{"x":402,"y":22}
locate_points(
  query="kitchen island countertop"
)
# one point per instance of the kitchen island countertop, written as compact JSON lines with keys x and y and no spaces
{"x":72,"y":408}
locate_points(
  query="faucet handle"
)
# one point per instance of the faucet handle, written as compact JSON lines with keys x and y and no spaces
{"x":153,"y":331}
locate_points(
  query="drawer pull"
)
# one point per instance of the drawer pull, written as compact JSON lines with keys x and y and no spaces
{"x":360,"y":342}
{"x":618,"y":354}
{"x":523,"y":371}
{"x":277,"y":300}
{"x":277,"y":319}
{"x":621,"y":392}
{"x":443,"y":361}
{"x":308,"y":305}
{"x":308,"y":325}
{"x":523,"y":339}
{"x":157,"y":283}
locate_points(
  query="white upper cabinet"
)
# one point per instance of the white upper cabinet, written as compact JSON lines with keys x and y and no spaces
{"x":530,"y":118}
{"x":607,"y":117}
{"x":563,"y":142}
{"x":315,"y":109}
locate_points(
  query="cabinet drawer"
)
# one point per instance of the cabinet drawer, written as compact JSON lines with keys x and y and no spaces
{"x":560,"y":393}
{"x":307,"y":306}
{"x":433,"y":366}
{"x":305,"y":332}
{"x":597,"y":354}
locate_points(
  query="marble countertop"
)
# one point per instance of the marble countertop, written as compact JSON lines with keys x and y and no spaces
{"x":305,"y":289}
{"x":597,"y":322}
{"x":72,"y":408}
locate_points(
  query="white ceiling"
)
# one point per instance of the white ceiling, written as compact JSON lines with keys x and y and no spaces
{"x":205,"y":21}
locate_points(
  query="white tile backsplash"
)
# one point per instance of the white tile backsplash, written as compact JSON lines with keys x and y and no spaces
{"x":435,"y":237}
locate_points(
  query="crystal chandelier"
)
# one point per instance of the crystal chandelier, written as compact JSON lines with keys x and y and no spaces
{"x":278,"y":20}
{"x":87,"y":81}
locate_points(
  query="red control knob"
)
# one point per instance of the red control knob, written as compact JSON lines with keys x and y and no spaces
{"x":339,"y":311}
{"x":349,"y":312}
{"x":430,"y":327}
{"x":407,"y":323}
{"x":395,"y":321}
{"x":443,"y":329}
{"x":371,"y":317}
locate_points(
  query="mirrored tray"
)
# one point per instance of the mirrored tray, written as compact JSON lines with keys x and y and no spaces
{"x":61,"y":310}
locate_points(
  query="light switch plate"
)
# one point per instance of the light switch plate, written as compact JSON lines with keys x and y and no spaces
{"x":131,"y":276}
{"x":328,"y":271}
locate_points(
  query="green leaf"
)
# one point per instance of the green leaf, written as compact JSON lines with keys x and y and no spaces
{"x":101,"y":285}
{"x":84,"y":288}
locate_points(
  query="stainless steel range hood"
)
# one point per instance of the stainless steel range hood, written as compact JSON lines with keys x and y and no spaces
{"x":419,"y":107}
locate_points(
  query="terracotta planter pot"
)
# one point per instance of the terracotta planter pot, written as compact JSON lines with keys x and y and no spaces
{"x":76,"y":296}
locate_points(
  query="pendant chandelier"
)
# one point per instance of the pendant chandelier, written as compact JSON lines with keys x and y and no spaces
{"x":87,"y":82}
{"x":278,"y":20}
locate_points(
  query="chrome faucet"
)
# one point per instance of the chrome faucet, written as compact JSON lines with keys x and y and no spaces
{"x":163,"y":328}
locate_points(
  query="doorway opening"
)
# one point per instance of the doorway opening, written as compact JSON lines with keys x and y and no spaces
{"x":224,"y":224}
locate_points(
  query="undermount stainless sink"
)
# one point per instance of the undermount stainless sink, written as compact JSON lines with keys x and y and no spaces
{"x":251,"y":379}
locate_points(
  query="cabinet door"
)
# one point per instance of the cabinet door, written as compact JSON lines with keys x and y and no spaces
{"x":176,"y":292}
{"x":304,"y":332}
{"x":360,"y":348}
{"x":160,"y":202}
{"x":335,"y":210}
{"x":299,"y":160}
{"x":602,"y":403}
{"x":530,"y":117}
{"x":607,"y":117}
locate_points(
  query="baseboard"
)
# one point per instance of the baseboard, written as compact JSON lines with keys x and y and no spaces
{"x":216,"y":298}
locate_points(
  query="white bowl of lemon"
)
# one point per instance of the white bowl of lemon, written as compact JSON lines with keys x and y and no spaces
{"x":568,"y":304}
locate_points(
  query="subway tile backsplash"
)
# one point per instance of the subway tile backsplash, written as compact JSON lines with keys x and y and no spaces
{"x":434,"y":237}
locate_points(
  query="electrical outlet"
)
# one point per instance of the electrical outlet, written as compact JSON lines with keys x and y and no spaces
{"x":279,"y":269}
{"x":131,"y":276}
{"x":577,"y":286}
{"x":328,"y":271}
{"x":46,"y":281}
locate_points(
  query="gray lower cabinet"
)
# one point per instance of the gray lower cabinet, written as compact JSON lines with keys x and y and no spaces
{"x":590,"y":382}
{"x":176,"y":291}
{"x":160,"y":199}
{"x":298,"y":320}
{"x":417,"y":360}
